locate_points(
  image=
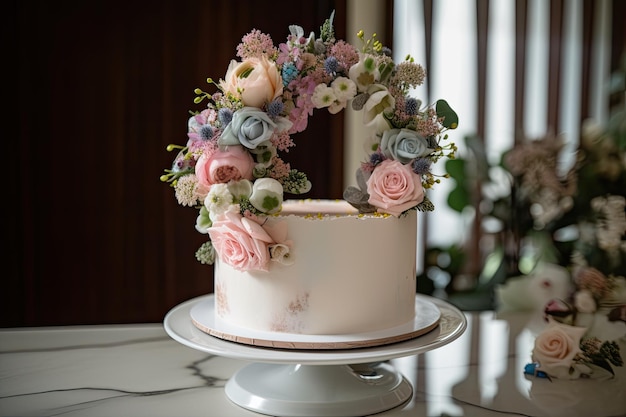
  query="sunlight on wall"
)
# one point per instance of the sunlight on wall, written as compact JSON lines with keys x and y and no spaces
{"x":570,"y":83}
{"x":536,"y":111}
{"x":601,"y":59}
{"x":500,"y":106}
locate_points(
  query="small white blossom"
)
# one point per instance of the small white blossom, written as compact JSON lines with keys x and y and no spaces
{"x":281,"y":253}
{"x":344,"y":89}
{"x":323,"y":96}
{"x":218,"y":200}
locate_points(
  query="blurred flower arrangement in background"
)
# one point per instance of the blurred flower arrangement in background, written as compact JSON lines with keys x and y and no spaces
{"x":553,"y":240}
{"x":585,"y":214}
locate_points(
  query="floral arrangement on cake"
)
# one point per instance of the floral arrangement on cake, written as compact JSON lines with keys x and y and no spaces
{"x":231,"y":169}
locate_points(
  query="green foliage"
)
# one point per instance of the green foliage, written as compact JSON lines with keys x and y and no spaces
{"x":327,"y":31}
{"x":459,"y":197}
{"x":450,"y":118}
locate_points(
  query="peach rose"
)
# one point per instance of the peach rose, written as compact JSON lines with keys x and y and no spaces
{"x":555,"y":349}
{"x":256,"y":81}
{"x":240,"y":242}
{"x":233,"y":163}
{"x":394,"y":188}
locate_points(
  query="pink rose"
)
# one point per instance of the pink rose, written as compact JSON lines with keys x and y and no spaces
{"x":233,"y":163}
{"x":394,"y":188}
{"x":240,"y":242}
{"x":256,"y":81}
{"x":555,"y":349}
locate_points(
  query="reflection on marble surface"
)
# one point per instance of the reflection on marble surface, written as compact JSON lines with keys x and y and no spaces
{"x":137,"y":370}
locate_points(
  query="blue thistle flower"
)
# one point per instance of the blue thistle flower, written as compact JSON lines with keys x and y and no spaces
{"x":421,"y":166}
{"x":411,"y":106}
{"x":331,"y":64}
{"x":275,"y":108}
{"x":289,"y":73}
{"x":376,"y":158}
{"x":206,"y":132}
{"x":225,"y":115}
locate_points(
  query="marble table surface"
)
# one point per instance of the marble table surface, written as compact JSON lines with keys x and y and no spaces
{"x":138,"y":370}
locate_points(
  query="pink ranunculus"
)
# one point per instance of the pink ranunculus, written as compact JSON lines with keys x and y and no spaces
{"x":232,"y":163}
{"x":256,"y":81}
{"x":394,"y":188}
{"x":240,"y":242}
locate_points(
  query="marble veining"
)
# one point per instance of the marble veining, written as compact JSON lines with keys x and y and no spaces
{"x":137,"y":370}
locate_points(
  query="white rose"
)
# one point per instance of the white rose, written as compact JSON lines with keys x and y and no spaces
{"x":555,"y":349}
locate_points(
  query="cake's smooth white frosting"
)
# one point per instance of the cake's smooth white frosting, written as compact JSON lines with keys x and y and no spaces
{"x":351,"y":273}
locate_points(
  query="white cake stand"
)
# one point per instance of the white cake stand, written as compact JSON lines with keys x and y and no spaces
{"x":307,"y":383}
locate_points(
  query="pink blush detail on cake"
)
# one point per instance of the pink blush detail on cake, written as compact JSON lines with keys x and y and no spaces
{"x":352,"y":273}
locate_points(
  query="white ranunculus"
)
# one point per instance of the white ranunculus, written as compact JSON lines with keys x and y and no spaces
{"x":267,"y":195}
{"x":240,"y":189}
{"x":365,"y":72}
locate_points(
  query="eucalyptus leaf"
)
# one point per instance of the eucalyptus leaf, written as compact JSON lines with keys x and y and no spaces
{"x":456,"y":169}
{"x":450,"y":118}
{"x":458,"y":198}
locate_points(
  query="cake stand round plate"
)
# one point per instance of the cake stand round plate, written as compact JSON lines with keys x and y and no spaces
{"x":426,"y":318}
{"x":316,"y":382}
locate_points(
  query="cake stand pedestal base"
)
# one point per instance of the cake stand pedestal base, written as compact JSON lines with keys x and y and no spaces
{"x":297,"y":390}
{"x":317,"y":382}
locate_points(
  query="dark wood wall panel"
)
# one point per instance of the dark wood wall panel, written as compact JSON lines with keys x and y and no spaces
{"x":102,"y":88}
{"x":555,"y":53}
{"x":521,"y":17}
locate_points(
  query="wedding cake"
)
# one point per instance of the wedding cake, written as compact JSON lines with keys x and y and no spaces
{"x":297,"y":265}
